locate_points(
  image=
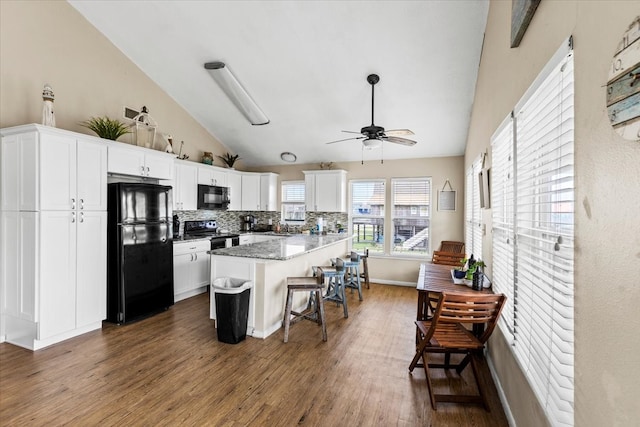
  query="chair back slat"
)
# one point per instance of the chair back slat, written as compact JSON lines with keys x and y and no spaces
{"x":452,"y":246}
{"x":468,"y":309}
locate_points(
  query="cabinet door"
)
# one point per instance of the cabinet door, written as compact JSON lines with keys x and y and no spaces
{"x":200,"y":269}
{"x":158,"y":166}
{"x":92,"y":176}
{"x":182,"y":273}
{"x":18,"y":184}
{"x":268,"y":192}
{"x":56,"y":302}
{"x":310,"y":192}
{"x":57,"y":157}
{"x":125,"y":161}
{"x":234,"y":182}
{"x":208,"y":175}
{"x":250,"y":192}
{"x":91,"y":273}
{"x":185,"y":195}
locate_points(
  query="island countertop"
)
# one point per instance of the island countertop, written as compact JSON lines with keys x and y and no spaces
{"x":282,"y":248}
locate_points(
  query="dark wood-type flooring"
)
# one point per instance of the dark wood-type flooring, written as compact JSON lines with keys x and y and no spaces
{"x":171,"y":370}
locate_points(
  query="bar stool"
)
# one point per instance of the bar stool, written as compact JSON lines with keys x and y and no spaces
{"x":335,"y":287}
{"x":365,"y":267}
{"x":315,"y":308}
{"x":352,"y":277}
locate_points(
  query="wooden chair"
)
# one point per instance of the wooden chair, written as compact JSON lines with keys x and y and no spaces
{"x":447,"y":258}
{"x":446,"y":334}
{"x":452,"y":246}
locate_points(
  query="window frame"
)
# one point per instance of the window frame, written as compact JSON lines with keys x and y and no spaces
{"x":284,"y":201}
{"x":378,"y":249}
{"x":392,"y":217}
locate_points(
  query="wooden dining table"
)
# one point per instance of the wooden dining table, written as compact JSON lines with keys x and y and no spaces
{"x":434,"y":279}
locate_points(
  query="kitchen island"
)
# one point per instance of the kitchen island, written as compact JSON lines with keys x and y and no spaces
{"x":267,"y":265}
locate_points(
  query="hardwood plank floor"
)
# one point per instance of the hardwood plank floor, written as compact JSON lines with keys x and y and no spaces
{"x":171,"y":370}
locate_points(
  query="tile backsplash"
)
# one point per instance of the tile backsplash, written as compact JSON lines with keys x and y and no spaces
{"x":231,"y":220}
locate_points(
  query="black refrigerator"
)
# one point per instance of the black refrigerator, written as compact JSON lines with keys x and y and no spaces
{"x":139,"y":251}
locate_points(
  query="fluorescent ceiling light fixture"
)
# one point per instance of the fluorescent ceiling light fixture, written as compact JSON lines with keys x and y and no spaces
{"x":288,"y":157}
{"x":371,"y":143}
{"x":236,"y":93}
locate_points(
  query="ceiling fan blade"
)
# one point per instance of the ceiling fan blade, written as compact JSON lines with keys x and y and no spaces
{"x":351,"y":131}
{"x":398,"y":132}
{"x":402,"y":141}
{"x":347,"y":139}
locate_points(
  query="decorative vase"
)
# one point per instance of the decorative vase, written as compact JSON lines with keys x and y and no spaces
{"x":207,"y":158}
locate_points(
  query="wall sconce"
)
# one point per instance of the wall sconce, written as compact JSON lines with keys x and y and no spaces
{"x":236,"y":93}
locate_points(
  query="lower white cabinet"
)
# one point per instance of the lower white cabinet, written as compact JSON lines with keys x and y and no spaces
{"x":54,"y":271}
{"x":190,"y":268}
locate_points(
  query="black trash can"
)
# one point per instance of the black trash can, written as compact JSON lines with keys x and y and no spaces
{"x":232,"y":308}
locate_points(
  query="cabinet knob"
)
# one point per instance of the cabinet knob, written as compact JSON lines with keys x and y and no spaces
{"x":142,"y":170}
{"x":73,"y":217}
{"x":196,"y":257}
{"x":73,"y":203}
{"x":147,"y":170}
{"x":81,"y":203}
{"x":81,"y":216}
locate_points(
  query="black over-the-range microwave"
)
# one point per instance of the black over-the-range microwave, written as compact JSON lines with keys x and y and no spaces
{"x":213,"y":197}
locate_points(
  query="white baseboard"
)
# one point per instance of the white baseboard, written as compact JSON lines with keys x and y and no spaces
{"x":393,"y":282}
{"x":503,"y":397}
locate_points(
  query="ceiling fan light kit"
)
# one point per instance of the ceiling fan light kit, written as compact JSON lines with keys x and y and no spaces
{"x":236,"y":93}
{"x":372,"y":135}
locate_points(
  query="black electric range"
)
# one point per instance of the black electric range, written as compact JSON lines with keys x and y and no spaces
{"x":209,"y":229}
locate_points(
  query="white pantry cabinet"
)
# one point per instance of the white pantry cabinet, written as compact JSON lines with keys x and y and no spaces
{"x":53,"y":226}
{"x":211,"y":175}
{"x":131,"y":160}
{"x":190,"y":268}
{"x":185,"y":186}
{"x":326,"y":190}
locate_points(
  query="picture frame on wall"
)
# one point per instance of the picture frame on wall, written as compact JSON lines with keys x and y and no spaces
{"x":447,"y":198}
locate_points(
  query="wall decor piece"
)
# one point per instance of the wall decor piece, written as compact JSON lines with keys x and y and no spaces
{"x":623,"y":86}
{"x":48,"y":119}
{"x":447,"y":198}
{"x":521,"y":13}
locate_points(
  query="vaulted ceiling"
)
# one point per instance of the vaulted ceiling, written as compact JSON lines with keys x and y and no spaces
{"x":305,"y":63}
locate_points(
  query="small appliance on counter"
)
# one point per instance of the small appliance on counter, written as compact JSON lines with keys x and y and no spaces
{"x":176,"y":227}
{"x":248,"y":222}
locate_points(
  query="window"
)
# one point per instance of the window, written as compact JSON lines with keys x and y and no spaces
{"x":473,"y":216}
{"x":367,"y":214}
{"x":533,"y":237}
{"x":411,"y":204}
{"x":293,"y":208}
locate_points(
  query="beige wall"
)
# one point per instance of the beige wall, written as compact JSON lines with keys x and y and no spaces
{"x":50,"y":42}
{"x":607,"y":337}
{"x":444,"y":225}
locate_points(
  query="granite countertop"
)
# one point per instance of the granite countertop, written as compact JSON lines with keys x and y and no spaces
{"x":282,"y":249}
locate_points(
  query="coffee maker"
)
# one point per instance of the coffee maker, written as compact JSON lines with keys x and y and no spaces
{"x":248,"y":222}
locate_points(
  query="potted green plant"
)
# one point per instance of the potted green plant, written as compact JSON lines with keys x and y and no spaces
{"x":478,"y":264}
{"x":106,"y":128}
{"x":459,"y":272}
{"x":229,"y":159}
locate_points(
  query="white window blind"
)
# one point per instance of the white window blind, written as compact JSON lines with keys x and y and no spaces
{"x":540,"y":263}
{"x":503,"y":236}
{"x":411,"y":198}
{"x":473,"y":215}
{"x":367,"y":214}
{"x":293,"y":201}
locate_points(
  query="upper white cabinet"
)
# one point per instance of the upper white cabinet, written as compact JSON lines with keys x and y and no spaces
{"x":234,"y":182}
{"x":185,"y":186}
{"x":250,"y":192}
{"x":136,"y":161}
{"x":326,"y":190}
{"x":211,"y":175}
{"x":49,"y":169}
{"x":268,"y":192}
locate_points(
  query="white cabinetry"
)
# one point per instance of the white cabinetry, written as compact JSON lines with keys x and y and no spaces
{"x":250,"y":192}
{"x":326,"y":191}
{"x":137,"y":161}
{"x":211,"y":175}
{"x":268,"y":192}
{"x":190,"y":268}
{"x":53,"y":225}
{"x":234,"y":182}
{"x":185,"y":186}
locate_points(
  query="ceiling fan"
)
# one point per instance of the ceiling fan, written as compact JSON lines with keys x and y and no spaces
{"x":373,"y":135}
